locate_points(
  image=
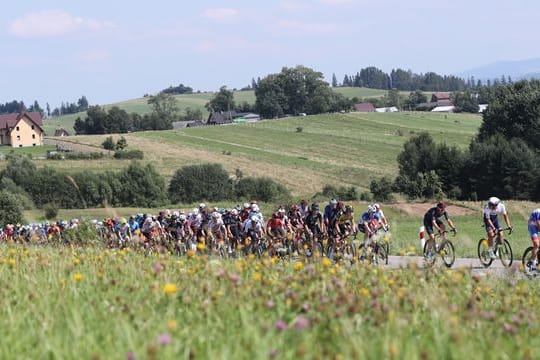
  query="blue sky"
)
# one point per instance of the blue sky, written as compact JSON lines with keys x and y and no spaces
{"x":115,"y":50}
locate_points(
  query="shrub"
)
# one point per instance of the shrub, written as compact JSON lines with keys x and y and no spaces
{"x":51,"y":211}
{"x":342,"y":192}
{"x":11,"y":211}
{"x":262,"y":189}
{"x":381,"y":189}
{"x":129,"y":154}
{"x":200,"y":182}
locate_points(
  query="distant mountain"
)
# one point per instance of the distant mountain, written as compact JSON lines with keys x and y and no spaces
{"x":517,"y":70}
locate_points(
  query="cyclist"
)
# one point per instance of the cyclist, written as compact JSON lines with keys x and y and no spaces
{"x":491,"y":221}
{"x":534,"y":228}
{"x":432,"y":219}
{"x":233,"y":227}
{"x":368,"y":223}
{"x":253,"y":232}
{"x":314,"y":222}
{"x":382,"y":218}
{"x":275,"y":226}
{"x":345,"y":224}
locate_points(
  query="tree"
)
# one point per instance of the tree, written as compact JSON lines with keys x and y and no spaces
{"x":121,"y":144}
{"x":334,"y":81}
{"x":11,"y":212}
{"x":142,"y":186}
{"x":514,"y":112}
{"x":82,"y":103}
{"x":163,"y":106}
{"x":108,"y":143}
{"x":221,"y":101}
{"x":465,"y":102}
{"x":381,"y":189}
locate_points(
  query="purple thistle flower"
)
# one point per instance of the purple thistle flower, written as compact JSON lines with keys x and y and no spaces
{"x":301,"y":323}
{"x":130,"y":355}
{"x":281,"y":325}
{"x":164,"y":339}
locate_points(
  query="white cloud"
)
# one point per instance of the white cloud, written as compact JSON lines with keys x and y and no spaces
{"x":52,"y":23}
{"x":221,"y":14}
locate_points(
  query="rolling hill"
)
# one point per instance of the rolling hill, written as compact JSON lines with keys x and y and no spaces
{"x":304,"y":153}
{"x":193,"y":101}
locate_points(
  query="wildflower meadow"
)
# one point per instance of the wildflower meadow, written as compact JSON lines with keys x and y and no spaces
{"x":89,"y":302}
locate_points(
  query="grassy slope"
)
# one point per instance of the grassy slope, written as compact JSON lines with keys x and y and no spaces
{"x":193,"y":101}
{"x":348,"y":149}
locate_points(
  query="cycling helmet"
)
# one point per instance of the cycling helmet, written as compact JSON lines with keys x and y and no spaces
{"x":254,"y":219}
{"x":494,"y":201}
{"x":370,"y":209}
{"x":182,"y":217}
{"x":377,"y":207}
{"x":176,"y":213}
{"x":340,"y":205}
{"x":254,"y":207}
{"x":275,"y":215}
{"x":333,"y":201}
{"x":349,"y":208}
{"x":246,"y":205}
{"x":441,"y":205}
{"x":314,"y":206}
{"x":234,"y":212}
{"x":202,"y":205}
{"x":294,"y":207}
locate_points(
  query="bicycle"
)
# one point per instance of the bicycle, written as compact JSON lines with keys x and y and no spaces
{"x":443,"y":247}
{"x":377,"y":250}
{"x":342,"y":249}
{"x":526,"y":261}
{"x":502,"y":249}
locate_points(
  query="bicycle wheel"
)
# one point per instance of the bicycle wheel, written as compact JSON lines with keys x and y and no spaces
{"x":349,"y":253}
{"x":382,"y":253}
{"x":483,"y":253}
{"x":364,"y":254}
{"x":429,"y":254}
{"x":505,"y":253}
{"x":526,"y":259}
{"x":318,"y":251}
{"x":447,"y":253}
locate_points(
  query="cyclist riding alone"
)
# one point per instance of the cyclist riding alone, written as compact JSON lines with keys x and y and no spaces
{"x":432,"y":219}
{"x":493,"y":208}
{"x":534,"y":228}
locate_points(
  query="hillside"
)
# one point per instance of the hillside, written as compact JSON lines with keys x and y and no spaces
{"x":193,"y":101}
{"x":304,"y":153}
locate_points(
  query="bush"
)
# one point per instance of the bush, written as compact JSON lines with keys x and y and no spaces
{"x":74,"y":156}
{"x":381,"y":189}
{"x":263,"y":189}
{"x":129,"y":154}
{"x":208,"y":182}
{"x":11,"y":211}
{"x":51,"y":211}
{"x":342,"y":192}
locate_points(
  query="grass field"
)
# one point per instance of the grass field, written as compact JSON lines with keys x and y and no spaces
{"x":193,"y":101}
{"x":62,"y":302}
{"x":339,"y":149}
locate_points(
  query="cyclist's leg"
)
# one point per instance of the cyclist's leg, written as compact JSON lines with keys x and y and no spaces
{"x":533,"y":231}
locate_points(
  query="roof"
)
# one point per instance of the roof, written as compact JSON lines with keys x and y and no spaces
{"x":10,"y":120}
{"x":364,"y":107}
{"x":387,"y":109}
{"x":440,"y":96}
{"x":444,"y":108}
{"x":60,"y":132}
{"x":224,"y":117}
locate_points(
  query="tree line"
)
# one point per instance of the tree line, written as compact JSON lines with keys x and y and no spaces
{"x":137,"y":185}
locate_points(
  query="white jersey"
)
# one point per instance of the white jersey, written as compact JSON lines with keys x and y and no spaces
{"x":491,"y":213}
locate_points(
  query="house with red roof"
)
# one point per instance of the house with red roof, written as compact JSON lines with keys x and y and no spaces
{"x":364,"y":107}
{"x":21,"y":129}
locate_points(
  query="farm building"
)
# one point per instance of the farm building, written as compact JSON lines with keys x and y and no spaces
{"x":387,"y":109}
{"x":22,"y":129}
{"x":61,"y":132}
{"x":364,"y":107}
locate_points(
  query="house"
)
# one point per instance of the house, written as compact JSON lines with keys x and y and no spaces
{"x":195,"y":124}
{"x":220,"y":118}
{"x":61,"y":132}
{"x":364,"y":107}
{"x":441,"y":99}
{"x":22,"y":129}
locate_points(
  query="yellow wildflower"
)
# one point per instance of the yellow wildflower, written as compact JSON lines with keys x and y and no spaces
{"x":170,"y":289}
{"x":78,"y":276}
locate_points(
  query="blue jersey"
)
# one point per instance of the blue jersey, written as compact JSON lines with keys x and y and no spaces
{"x":535,"y":216}
{"x":367,"y":217}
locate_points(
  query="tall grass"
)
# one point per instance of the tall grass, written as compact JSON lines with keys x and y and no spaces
{"x":93,"y":303}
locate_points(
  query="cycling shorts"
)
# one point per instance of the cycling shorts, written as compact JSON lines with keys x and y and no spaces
{"x":495,"y":223}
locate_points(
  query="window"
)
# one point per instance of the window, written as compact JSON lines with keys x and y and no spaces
{"x":20,"y":145}
{"x":32,"y":127}
{"x":17,"y":128}
{"x":33,"y":144}
{"x":33,"y":136}
{"x":18,"y":137}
